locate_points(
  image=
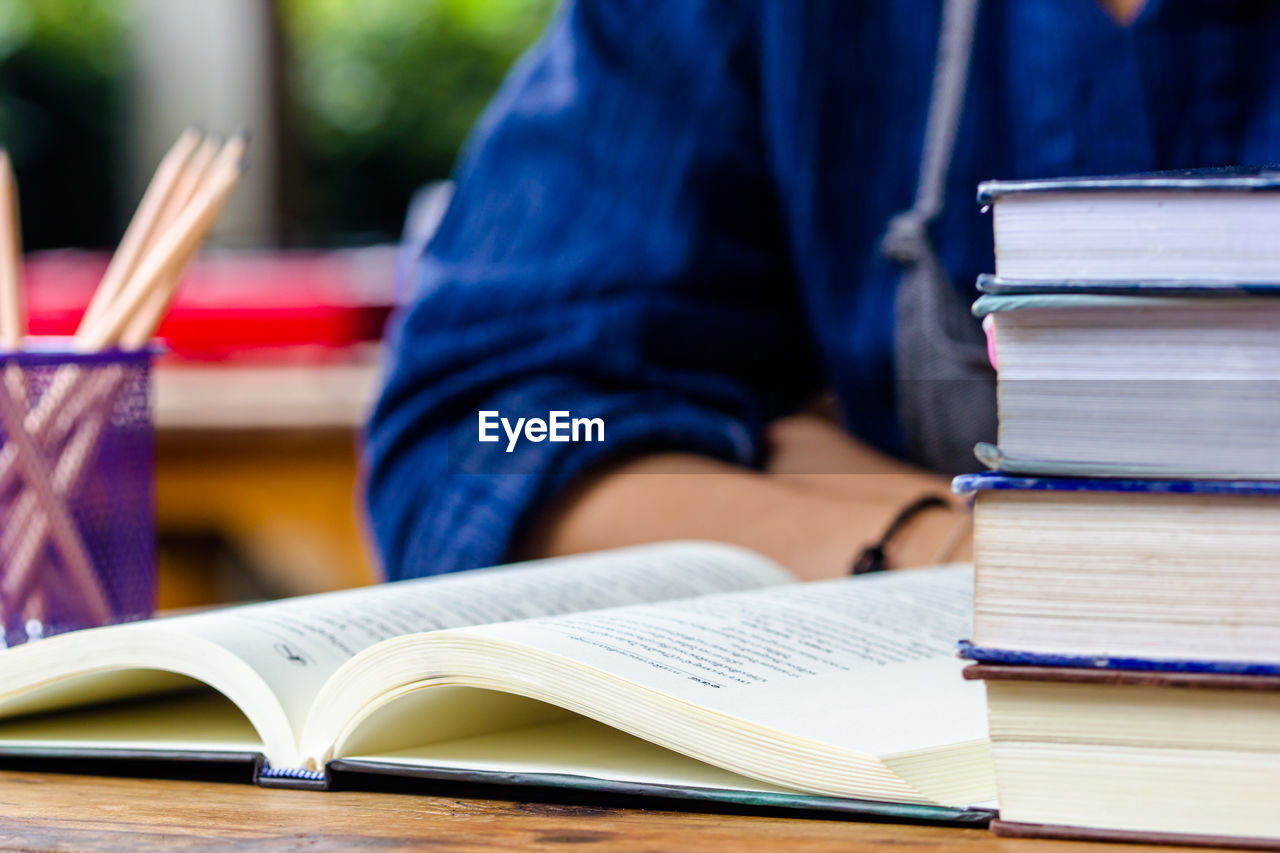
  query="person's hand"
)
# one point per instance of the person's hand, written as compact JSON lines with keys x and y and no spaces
{"x":813,"y":453}
{"x":822,"y":498}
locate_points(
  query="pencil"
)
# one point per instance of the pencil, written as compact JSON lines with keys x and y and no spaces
{"x":185,"y":186}
{"x":13,"y":329}
{"x":11,"y":309}
{"x":203,"y":168}
{"x":171,"y":252}
{"x":141,"y":228}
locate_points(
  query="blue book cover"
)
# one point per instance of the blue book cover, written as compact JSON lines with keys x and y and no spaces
{"x":996,"y":286}
{"x":1228,"y":178}
{"x":991,"y":303}
{"x":1212,"y":416}
{"x":1138,"y":475}
{"x":985,"y":654}
{"x":968,"y":484}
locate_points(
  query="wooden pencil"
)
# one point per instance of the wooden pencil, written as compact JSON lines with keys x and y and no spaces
{"x":173,"y":249}
{"x":185,"y":186}
{"x":142,"y":227}
{"x":12,"y":332}
{"x":11,"y":308}
{"x":203,"y":168}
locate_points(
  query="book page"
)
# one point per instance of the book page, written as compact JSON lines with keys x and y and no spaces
{"x":295,"y":644}
{"x":574,"y":746}
{"x":183,"y":722}
{"x":867,"y":663}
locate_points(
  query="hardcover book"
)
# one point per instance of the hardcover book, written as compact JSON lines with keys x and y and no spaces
{"x":1080,"y":570}
{"x":1207,"y":225}
{"x":1136,"y":386}
{"x":998,"y":286}
{"x":1174,"y":758}
{"x":691,"y":671}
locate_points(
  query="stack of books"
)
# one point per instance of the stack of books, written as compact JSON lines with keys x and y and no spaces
{"x":1127,"y":540}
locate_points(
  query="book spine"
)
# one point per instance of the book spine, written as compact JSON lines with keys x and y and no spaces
{"x":291,"y":777}
{"x":1015,"y":657}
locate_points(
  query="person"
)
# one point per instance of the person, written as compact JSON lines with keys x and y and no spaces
{"x":690,"y":219}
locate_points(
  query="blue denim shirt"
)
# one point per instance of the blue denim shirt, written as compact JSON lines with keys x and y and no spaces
{"x":668,"y":218}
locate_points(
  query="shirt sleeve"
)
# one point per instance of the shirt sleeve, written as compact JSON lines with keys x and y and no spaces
{"x":614,"y":251}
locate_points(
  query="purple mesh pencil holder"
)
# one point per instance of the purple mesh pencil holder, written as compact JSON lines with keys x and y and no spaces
{"x":77,"y":507}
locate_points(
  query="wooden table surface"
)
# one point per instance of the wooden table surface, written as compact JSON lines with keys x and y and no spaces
{"x":45,"y":811}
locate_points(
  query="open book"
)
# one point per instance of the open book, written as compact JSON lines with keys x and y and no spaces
{"x":689,"y":670}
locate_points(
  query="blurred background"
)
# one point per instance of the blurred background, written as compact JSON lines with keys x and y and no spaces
{"x":272,"y":345}
{"x":353,"y":106}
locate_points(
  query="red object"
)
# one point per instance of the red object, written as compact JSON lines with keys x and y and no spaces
{"x":235,"y":302}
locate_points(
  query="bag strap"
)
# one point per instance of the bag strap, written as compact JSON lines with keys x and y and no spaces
{"x":906,"y":237}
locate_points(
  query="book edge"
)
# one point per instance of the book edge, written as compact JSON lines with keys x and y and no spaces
{"x":1261,"y":178}
{"x":992,"y":664}
{"x":1017,"y":829}
{"x":994,"y":285}
{"x":343,"y":769}
{"x":1012,"y":477}
{"x":1085,"y":298}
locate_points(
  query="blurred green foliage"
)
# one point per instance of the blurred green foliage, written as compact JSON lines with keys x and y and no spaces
{"x":60,"y":117}
{"x":381,"y":94}
{"x":384,"y":92}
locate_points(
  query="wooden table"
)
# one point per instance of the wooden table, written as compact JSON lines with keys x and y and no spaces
{"x":45,"y":811}
{"x":259,"y":462}
{"x":288,"y":501}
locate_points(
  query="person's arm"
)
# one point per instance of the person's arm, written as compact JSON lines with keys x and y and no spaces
{"x":614,"y":249}
{"x":821,"y":498}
